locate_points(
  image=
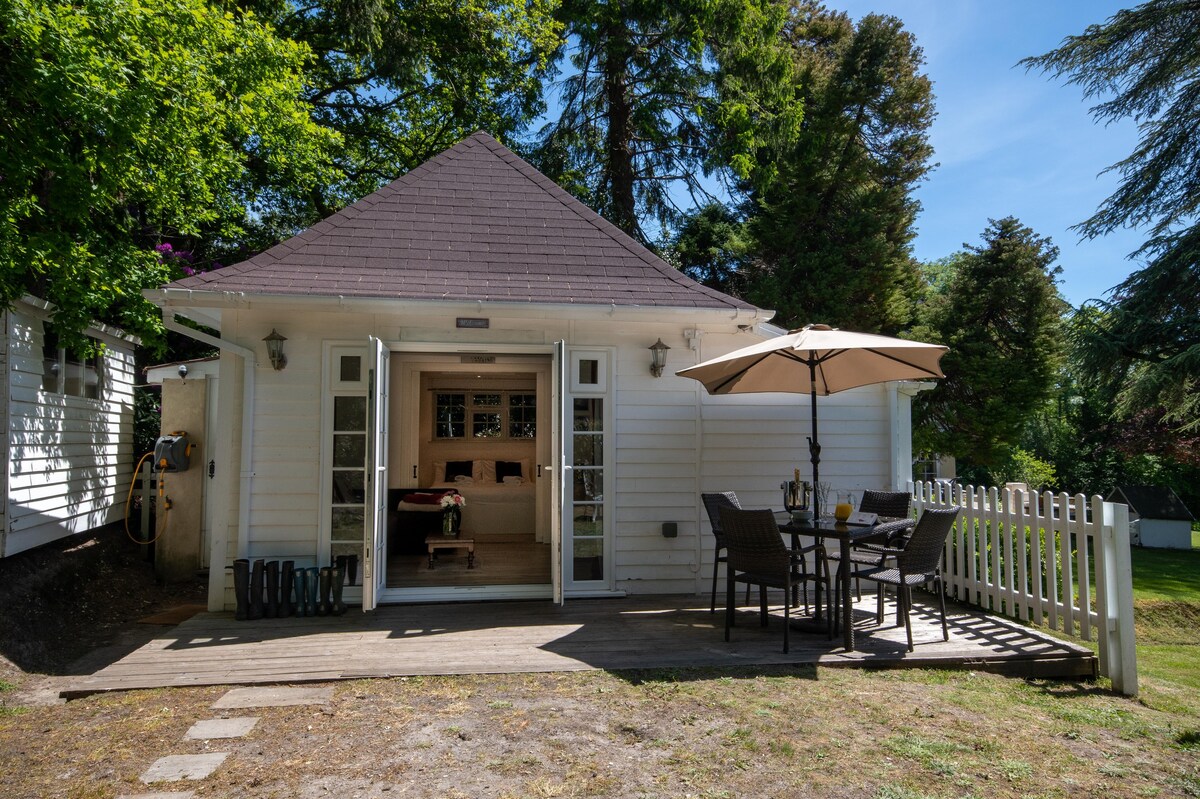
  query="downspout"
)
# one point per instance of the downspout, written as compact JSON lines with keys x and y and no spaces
{"x":246,"y":482}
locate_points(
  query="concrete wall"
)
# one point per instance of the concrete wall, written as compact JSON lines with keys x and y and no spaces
{"x":177,"y":553}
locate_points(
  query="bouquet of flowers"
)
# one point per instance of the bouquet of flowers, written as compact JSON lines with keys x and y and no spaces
{"x":453,"y":501}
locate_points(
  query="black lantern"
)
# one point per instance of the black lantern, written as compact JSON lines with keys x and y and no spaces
{"x":275,"y":349}
{"x":658,"y":357}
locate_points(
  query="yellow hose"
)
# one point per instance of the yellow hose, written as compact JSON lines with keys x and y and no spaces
{"x":129,"y":499}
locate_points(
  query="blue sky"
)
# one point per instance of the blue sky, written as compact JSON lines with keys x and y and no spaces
{"x":1011,"y":142}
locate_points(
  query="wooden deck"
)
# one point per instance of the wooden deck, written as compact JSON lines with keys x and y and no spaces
{"x":534,"y":636}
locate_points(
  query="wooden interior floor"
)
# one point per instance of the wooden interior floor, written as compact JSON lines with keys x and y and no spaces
{"x":513,"y":561}
{"x":504,"y":637}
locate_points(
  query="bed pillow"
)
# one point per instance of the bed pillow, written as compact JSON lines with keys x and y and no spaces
{"x":485,"y":471}
{"x":507,"y":469}
{"x":455,"y":468}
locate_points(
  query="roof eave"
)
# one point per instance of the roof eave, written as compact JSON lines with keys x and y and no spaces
{"x":210,"y":304}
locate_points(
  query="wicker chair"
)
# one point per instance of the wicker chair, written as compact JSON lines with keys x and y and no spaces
{"x":918,"y":562}
{"x":895,"y":504}
{"x":712,"y":504}
{"x":758,"y":556}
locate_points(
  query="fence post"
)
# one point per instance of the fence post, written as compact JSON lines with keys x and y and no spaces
{"x":1117,"y":647}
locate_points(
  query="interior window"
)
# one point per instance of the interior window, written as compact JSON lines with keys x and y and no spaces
{"x":450,"y":415}
{"x":489,"y":415}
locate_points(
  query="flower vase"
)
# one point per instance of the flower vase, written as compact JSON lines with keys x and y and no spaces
{"x":449,"y":523}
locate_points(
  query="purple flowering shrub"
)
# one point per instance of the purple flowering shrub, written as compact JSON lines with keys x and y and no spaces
{"x":182,"y":262}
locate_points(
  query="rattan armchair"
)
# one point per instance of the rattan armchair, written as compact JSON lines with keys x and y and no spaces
{"x":896,"y":505}
{"x":713,"y":503}
{"x":917,"y":562}
{"x":758,"y":556}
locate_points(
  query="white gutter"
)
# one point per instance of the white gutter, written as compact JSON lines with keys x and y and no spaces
{"x":196,"y":299}
{"x":246,"y":482}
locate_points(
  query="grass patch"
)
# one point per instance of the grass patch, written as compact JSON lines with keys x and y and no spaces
{"x":1166,"y":609}
{"x":1166,"y":574}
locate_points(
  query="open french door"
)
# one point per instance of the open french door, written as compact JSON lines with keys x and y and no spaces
{"x":375,"y":529}
{"x":560,"y":507}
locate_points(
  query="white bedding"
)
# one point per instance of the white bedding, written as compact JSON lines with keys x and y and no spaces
{"x":496,"y":509}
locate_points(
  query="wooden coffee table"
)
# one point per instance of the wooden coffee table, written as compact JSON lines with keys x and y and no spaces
{"x":433,"y":542}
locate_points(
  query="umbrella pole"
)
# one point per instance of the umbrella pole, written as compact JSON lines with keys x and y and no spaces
{"x":814,"y":445}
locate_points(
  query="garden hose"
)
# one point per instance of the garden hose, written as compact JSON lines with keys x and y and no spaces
{"x":165,"y":506}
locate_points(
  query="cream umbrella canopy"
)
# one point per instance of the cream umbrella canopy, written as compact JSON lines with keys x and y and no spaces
{"x":817,"y":360}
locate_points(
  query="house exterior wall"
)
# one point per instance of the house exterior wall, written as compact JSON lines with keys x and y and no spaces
{"x":675,"y":441}
{"x":670,"y":439}
{"x":1163,"y":533}
{"x":69,"y":459}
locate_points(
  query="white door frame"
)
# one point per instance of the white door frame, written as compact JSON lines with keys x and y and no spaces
{"x":409,"y":405}
{"x":375,"y":536}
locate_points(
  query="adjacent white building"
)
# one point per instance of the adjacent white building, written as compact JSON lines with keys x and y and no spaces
{"x":68,"y":429}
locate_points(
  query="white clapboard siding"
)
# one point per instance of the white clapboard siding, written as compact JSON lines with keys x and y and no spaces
{"x":668,"y":440}
{"x":69,"y":459}
{"x":288,"y":432}
{"x":673,"y":441}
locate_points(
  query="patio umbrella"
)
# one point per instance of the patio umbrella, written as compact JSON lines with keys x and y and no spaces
{"x":817,"y":360}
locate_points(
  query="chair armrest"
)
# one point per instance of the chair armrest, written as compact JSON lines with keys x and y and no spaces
{"x":887,"y":552}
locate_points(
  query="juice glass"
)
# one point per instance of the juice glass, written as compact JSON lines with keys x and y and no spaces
{"x":844,"y":507}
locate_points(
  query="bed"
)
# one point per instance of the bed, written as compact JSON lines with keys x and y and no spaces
{"x":501,"y":499}
{"x":497,"y":509}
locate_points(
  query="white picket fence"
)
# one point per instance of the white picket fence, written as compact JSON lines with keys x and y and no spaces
{"x":1050,"y":560}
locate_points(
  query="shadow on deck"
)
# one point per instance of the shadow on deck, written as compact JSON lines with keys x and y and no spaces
{"x":645,"y":632}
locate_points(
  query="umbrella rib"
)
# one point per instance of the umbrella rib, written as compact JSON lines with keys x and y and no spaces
{"x":904,"y":362}
{"x":734,"y":377}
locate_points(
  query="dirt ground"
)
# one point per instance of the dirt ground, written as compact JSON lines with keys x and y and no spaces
{"x":72,"y":606}
{"x":770,"y":732}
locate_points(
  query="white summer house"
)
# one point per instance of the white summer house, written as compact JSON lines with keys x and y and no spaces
{"x":472,"y":327}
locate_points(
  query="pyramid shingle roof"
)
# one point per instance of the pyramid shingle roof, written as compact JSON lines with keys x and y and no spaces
{"x":473,"y":223}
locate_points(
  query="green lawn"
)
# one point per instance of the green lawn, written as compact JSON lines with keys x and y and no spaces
{"x":1166,"y":606}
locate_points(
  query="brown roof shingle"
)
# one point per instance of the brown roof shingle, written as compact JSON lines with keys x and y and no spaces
{"x":474,"y":223}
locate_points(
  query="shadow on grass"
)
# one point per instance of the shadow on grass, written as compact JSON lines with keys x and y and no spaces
{"x":804,"y":671}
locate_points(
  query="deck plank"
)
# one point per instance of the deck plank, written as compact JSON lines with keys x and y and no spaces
{"x":536,"y":636}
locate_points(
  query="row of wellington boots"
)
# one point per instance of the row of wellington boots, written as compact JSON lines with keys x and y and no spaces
{"x":316,"y":591}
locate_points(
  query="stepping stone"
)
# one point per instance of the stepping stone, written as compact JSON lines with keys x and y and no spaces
{"x":159,"y":795}
{"x":221,"y":728}
{"x":268,"y":696}
{"x":183,"y":767}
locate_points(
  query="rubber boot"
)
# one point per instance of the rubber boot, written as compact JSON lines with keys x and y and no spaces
{"x":286,"y":578}
{"x":256,"y":590}
{"x":339,"y":575}
{"x":351,"y":569}
{"x":272,"y":589}
{"x":301,"y":585}
{"x":326,"y":586}
{"x":241,"y":588}
{"x":313,"y":587}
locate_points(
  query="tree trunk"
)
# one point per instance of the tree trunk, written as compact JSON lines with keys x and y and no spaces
{"x":619,"y":144}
